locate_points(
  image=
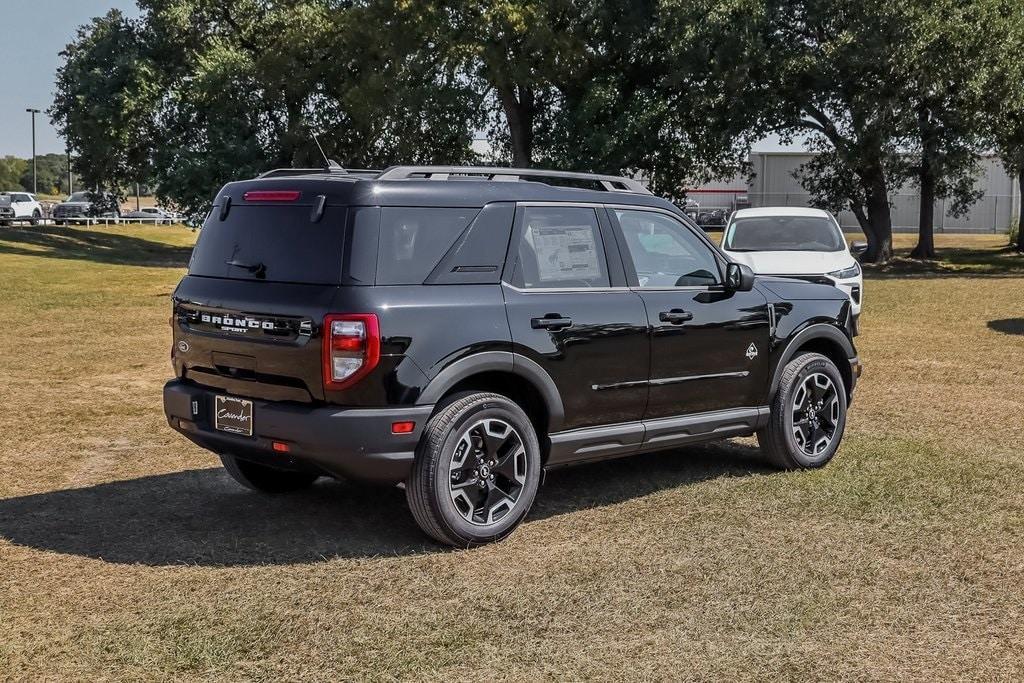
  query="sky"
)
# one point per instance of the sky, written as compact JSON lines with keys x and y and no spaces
{"x":35,"y":31}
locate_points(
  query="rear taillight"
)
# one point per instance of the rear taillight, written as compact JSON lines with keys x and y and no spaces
{"x":351,"y":348}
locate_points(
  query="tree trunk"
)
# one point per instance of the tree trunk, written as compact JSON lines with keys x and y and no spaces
{"x":879,"y":220}
{"x":861,"y":216}
{"x":925,"y":248}
{"x":519,"y":114}
{"x":1020,"y":213}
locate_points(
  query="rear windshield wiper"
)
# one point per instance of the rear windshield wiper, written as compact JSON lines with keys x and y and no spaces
{"x":257,"y":269}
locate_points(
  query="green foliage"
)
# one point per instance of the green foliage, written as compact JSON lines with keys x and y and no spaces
{"x":200,"y":92}
{"x":108,"y":89}
{"x":11,"y":170}
{"x":51,"y":174}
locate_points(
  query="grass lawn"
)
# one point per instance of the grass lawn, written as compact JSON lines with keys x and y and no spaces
{"x":125,"y":552}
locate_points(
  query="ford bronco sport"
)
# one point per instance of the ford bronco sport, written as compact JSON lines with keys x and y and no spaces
{"x":459,"y":330}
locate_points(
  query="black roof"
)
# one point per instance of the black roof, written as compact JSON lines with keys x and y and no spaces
{"x":370,"y":188}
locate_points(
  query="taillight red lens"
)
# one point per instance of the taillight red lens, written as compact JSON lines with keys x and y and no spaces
{"x":351,"y":348}
{"x":272,"y":196}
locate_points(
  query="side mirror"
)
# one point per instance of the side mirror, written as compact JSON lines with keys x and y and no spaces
{"x":739,"y":278}
{"x":857,"y":248}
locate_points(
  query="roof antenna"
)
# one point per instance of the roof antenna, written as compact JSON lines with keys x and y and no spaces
{"x":331,"y":164}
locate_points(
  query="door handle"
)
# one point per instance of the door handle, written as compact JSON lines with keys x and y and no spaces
{"x":676,"y":316}
{"x":551,"y":321}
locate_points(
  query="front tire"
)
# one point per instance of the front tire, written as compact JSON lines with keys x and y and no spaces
{"x":265,"y":479}
{"x":36,"y":215}
{"x":808,"y":415}
{"x":477,"y":471}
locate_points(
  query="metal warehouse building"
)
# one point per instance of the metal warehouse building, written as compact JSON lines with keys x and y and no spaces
{"x":774,"y":184}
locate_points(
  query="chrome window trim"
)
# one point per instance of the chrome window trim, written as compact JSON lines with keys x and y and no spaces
{"x":572,"y":290}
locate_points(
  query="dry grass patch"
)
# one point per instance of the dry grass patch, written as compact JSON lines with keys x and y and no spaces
{"x":126,"y":554}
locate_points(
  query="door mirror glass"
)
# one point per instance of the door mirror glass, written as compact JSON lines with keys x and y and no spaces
{"x":858,"y":247}
{"x":739,"y":278}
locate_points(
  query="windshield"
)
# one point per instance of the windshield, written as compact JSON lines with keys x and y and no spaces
{"x":79,"y":197}
{"x":784,"y":233}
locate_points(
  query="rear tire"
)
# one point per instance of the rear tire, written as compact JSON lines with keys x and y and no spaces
{"x":477,"y":470}
{"x":808,"y":415}
{"x":35,"y":217}
{"x":263,"y":478}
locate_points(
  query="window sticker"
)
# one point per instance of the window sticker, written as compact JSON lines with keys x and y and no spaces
{"x":566,"y":252}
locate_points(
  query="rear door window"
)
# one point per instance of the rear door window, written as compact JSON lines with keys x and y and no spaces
{"x":413,"y":241}
{"x":272,"y":243}
{"x":560,"y":247}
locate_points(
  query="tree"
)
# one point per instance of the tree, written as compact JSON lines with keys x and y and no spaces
{"x":107,"y":91}
{"x":831,"y":70}
{"x":1004,"y":102}
{"x":947,"y":96}
{"x":51,"y":172}
{"x":665,"y":90}
{"x":11,"y":170}
{"x":200,"y":92}
{"x":656,"y":89}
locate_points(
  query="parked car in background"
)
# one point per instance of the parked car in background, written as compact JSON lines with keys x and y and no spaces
{"x":82,"y":206}
{"x":19,"y":206}
{"x":152,"y":214}
{"x":796,"y":242}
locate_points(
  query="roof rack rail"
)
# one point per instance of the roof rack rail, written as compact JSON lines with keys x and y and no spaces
{"x":609,"y":183}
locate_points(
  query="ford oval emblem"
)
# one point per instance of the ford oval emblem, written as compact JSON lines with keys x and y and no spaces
{"x":183,"y":346}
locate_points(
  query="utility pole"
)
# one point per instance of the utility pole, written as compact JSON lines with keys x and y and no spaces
{"x":33,"y":112}
{"x":71,"y":188}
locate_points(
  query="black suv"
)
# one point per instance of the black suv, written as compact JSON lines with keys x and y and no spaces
{"x":459,"y":330}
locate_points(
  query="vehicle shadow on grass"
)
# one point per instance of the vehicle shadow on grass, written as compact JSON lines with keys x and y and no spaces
{"x":91,"y":245}
{"x":1007,"y":326}
{"x":201,"y":517}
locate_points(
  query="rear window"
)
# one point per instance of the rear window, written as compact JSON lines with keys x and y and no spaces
{"x":413,"y":241}
{"x":280,"y":243}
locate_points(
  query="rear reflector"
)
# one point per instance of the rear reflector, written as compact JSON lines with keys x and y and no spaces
{"x":272,"y":196}
{"x":281,"y":447}
{"x":402,"y":427}
{"x":351,"y":349}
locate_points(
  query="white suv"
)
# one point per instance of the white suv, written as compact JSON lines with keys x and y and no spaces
{"x":796,"y":242}
{"x":19,"y":206}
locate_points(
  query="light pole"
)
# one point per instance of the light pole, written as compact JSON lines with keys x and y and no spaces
{"x":33,"y":112}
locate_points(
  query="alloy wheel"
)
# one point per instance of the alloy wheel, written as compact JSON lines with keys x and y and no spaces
{"x":815,"y":411}
{"x":487,"y":472}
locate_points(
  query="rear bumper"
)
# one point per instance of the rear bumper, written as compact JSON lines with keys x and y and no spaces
{"x":354,"y":443}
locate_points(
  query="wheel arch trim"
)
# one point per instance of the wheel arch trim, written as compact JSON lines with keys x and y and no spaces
{"x":498,"y":361}
{"x":823,"y":331}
